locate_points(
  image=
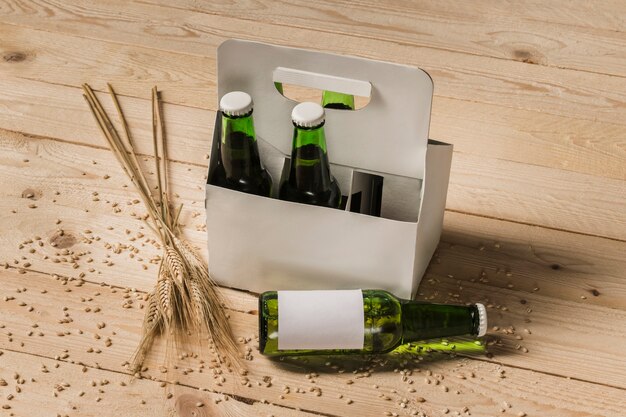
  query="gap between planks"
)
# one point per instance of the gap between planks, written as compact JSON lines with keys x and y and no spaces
{"x":36,"y":137}
{"x":556,"y":229}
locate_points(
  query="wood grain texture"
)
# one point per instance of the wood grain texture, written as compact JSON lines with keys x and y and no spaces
{"x":57,"y":58}
{"x":489,"y":187}
{"x":562,"y":142}
{"x":505,"y":83}
{"x":561,"y":265}
{"x":579,"y":13}
{"x":550,"y":333}
{"x":530,"y":137}
{"x":64,"y":387}
{"x":567,"y":265}
{"x":119,"y":252}
{"x":43,"y":109}
{"x":531,"y":94}
{"x":485,"y":393}
{"x":482,"y":29}
{"x":537,"y":195}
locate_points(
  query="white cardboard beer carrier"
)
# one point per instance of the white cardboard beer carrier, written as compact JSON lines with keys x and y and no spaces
{"x":260,"y":243}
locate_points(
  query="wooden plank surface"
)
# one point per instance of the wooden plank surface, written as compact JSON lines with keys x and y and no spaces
{"x":82,"y":207}
{"x":68,"y":388}
{"x":561,"y":265}
{"x":566,"y":265}
{"x":506,"y":83}
{"x":479,"y":29}
{"x":531,"y":94}
{"x":485,"y":393}
{"x":562,"y":142}
{"x":489,"y":187}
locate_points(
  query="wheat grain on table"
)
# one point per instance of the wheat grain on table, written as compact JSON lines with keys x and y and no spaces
{"x":531,"y":94}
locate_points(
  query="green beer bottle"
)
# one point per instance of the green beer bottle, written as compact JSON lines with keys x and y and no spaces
{"x":333,"y":100}
{"x":309,"y":179}
{"x":239,"y":165}
{"x":356,"y":321}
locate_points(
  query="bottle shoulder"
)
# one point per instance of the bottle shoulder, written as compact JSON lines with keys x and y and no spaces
{"x":379,"y":303}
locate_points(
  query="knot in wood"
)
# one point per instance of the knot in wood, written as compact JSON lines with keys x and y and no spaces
{"x":187,"y":406}
{"x":31,"y":194}
{"x":527,"y":56}
{"x":62,"y":239}
{"x":14,"y":57}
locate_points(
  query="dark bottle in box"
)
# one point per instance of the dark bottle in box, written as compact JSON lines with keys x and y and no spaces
{"x":309,"y":179}
{"x":357,"y":322}
{"x":369,"y":203}
{"x":238,"y":165}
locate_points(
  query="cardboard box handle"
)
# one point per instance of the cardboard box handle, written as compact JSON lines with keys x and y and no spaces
{"x":322,"y":81}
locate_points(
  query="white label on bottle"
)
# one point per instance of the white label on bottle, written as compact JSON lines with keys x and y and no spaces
{"x":320,"y":320}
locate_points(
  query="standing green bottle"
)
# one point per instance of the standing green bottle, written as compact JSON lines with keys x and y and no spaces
{"x":309,"y":179}
{"x":239,"y":164}
{"x":333,"y":100}
{"x":356,"y":321}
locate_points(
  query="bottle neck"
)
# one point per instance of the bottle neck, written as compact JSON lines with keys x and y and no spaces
{"x":333,"y":100}
{"x":243,"y":125}
{"x":422,"y":321}
{"x":314,"y":136}
{"x":310,"y":168}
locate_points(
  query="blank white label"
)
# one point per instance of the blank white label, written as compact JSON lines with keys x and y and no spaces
{"x":320,"y":320}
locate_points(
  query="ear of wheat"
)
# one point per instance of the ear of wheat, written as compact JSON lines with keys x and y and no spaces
{"x":185,"y":300}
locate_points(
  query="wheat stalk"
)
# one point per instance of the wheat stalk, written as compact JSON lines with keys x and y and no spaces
{"x":210,"y":316}
{"x":164,"y":295}
{"x":185,"y":300}
{"x":174,"y":264}
{"x":152,"y":322}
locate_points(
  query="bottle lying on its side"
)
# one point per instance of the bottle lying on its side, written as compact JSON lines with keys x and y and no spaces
{"x":356,"y":321}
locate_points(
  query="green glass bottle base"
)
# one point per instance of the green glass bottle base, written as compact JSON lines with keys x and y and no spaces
{"x":330,"y":198}
{"x":239,"y":167}
{"x":259,"y":184}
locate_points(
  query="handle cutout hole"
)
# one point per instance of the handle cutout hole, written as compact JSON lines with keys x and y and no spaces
{"x":334,"y":100}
